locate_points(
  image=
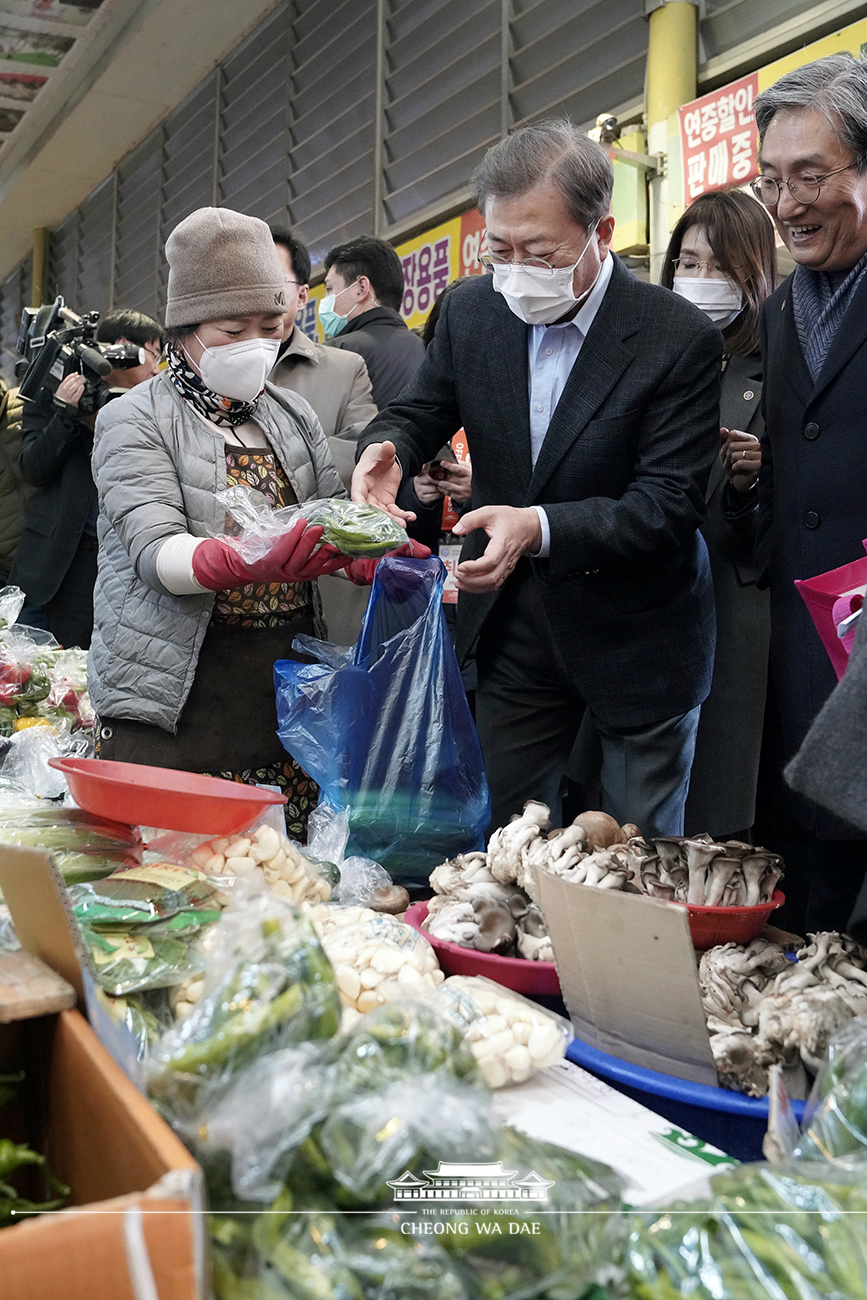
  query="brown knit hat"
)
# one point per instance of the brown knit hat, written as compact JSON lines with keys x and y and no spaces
{"x":222,"y":263}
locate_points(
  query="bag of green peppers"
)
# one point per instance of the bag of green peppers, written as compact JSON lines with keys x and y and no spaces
{"x":791,"y":1232}
{"x":268,"y":985}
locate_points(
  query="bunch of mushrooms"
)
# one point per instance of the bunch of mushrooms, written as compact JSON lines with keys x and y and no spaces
{"x":698,"y":871}
{"x":763,"y":1009}
{"x":487,"y":900}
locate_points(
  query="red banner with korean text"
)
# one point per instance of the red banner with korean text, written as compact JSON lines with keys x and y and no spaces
{"x":719,"y":141}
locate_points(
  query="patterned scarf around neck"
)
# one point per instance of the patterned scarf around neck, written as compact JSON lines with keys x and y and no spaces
{"x":217,"y":409}
{"x":820,"y":300}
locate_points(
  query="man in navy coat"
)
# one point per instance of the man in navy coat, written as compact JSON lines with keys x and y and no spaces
{"x":812,"y":499}
{"x":590,"y":404}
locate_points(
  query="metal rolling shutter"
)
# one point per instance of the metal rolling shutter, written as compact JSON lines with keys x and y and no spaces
{"x":332,"y":92}
{"x":188,"y":175}
{"x":253,"y":160}
{"x":442,"y":102}
{"x":137,"y":249}
{"x":579,"y":58}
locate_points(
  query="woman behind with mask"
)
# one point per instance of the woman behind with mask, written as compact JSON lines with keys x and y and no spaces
{"x":186,"y":633}
{"x":721,"y":257}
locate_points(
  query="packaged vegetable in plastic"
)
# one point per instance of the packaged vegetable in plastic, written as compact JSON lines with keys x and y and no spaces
{"x":130,"y":959}
{"x":268,"y":985}
{"x":25,"y":764}
{"x":835,"y":1120}
{"x":355,"y":529}
{"x":11,"y":604}
{"x":253,"y":526}
{"x":792,"y":1232}
{"x":265,"y":853}
{"x":137,"y":895}
{"x":510,"y":1036}
{"x":84,"y":847}
{"x":379,"y":960}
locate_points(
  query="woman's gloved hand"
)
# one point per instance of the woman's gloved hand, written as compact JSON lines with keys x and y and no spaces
{"x":294,"y":558}
{"x":361,"y":571}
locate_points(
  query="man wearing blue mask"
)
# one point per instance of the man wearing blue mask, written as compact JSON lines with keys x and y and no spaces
{"x":590,"y":404}
{"x":361,"y":313}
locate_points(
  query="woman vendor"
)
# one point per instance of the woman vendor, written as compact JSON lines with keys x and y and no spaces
{"x":186,"y":633}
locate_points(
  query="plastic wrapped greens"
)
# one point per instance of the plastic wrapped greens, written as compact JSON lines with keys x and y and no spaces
{"x":130,"y":960}
{"x":791,"y":1232}
{"x":84,"y":847}
{"x":268,"y":986}
{"x":835,"y":1121}
{"x":354,"y":529}
{"x":395,"y":1099}
{"x":157,"y":892}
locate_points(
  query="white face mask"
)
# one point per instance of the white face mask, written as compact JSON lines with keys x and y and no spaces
{"x":237,"y":370}
{"x":538,"y":296}
{"x":720,"y":300}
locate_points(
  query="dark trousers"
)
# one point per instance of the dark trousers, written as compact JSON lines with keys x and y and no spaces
{"x":528,"y":712}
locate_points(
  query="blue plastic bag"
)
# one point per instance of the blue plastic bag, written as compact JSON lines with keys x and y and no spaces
{"x":386,"y":730}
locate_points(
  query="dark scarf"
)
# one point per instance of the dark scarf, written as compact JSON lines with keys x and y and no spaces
{"x":820,"y":300}
{"x":217,"y":409}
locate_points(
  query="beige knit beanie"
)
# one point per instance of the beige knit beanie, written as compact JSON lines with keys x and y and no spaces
{"x":222,"y":263}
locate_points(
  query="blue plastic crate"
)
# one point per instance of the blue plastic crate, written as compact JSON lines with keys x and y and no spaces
{"x":728,"y":1120}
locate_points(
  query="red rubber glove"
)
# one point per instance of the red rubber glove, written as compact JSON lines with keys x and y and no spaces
{"x":219,"y":567}
{"x":361,"y":571}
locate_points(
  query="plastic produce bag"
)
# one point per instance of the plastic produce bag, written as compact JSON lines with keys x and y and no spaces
{"x":380,"y":959}
{"x":511,"y":1037}
{"x":11,"y":604}
{"x":835,"y":1120}
{"x":253,"y":526}
{"x":84,"y":847}
{"x":268,"y":986}
{"x":25,"y":764}
{"x":794,"y":1232}
{"x":387,"y":731}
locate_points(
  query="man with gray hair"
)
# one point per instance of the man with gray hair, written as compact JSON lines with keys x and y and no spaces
{"x":812,"y":505}
{"x":590,"y":404}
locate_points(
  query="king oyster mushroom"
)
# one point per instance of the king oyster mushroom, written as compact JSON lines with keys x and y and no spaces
{"x":505,"y":845}
{"x":700,"y":852}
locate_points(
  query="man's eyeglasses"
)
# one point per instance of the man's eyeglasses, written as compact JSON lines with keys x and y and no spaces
{"x":490,"y":260}
{"x":154,"y":354}
{"x":803,"y":189}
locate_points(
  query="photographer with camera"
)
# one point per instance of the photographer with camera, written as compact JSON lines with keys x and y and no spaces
{"x":56,"y":560}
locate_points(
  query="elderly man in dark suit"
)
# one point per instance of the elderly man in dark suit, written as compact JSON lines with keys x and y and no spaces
{"x":812,"y":504}
{"x":590,"y":403}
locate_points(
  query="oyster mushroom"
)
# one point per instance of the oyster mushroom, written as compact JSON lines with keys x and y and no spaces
{"x":505,"y":845}
{"x":496,"y":927}
{"x":722,"y":870}
{"x":700,"y":852}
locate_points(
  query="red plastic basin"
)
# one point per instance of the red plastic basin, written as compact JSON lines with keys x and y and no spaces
{"x":532,"y":977}
{"x":163,"y":797}
{"x":709,"y":926}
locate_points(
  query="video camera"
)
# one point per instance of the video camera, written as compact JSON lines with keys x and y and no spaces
{"x":54,"y":342}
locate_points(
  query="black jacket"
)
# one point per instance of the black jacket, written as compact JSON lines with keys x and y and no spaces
{"x":392,"y":352}
{"x":812,"y":504}
{"x":622,"y":475}
{"x":55,"y":457}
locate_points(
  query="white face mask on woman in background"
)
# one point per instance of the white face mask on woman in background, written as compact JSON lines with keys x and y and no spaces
{"x":539,"y":296}
{"x":720,"y":300}
{"x":237,"y":370}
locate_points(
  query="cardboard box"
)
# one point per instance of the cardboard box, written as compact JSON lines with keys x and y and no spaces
{"x":136,"y":1229}
{"x":629,"y":976}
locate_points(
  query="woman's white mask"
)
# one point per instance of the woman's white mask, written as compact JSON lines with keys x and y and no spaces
{"x":720,"y":300}
{"x":238,"y":370}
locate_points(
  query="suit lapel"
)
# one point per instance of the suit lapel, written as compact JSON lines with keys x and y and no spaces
{"x":599,"y":365}
{"x":851,"y":333}
{"x":512,"y":387}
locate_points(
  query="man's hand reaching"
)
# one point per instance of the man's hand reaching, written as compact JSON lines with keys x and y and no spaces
{"x":376,"y":480}
{"x":512,"y":533}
